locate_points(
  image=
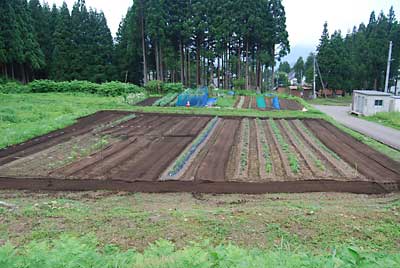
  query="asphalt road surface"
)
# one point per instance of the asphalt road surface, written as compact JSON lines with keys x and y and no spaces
{"x":386,"y":135}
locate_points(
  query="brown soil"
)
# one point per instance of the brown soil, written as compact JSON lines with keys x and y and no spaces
{"x":147,"y":102}
{"x":253,"y":159}
{"x":246,"y":102}
{"x":282,"y":158}
{"x":253,"y":103}
{"x":213,"y":167}
{"x":141,"y":149}
{"x":290,"y":105}
{"x":336,"y":166}
{"x":374,"y":165}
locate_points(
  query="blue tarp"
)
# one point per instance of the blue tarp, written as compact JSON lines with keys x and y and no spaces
{"x":275,"y":103}
{"x":198,"y":99}
{"x":211,"y":101}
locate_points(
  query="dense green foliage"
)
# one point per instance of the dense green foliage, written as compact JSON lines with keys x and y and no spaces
{"x":358,"y":60}
{"x":46,"y":86}
{"x":39,"y":42}
{"x":72,"y":252}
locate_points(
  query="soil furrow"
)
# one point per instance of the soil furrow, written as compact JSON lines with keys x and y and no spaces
{"x":282,"y":155}
{"x":364,"y":164}
{"x":304,"y":170}
{"x":317,"y":165}
{"x":215,"y":162}
{"x":341,"y":167}
{"x":253,"y":159}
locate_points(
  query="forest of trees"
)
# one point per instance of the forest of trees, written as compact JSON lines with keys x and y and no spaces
{"x":188,"y":41}
{"x":358,"y":60}
{"x":39,"y":42}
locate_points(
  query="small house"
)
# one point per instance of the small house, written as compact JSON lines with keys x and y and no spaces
{"x":370,"y":102}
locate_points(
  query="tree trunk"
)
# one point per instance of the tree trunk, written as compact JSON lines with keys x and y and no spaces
{"x":157,"y":60}
{"x":143,"y":44}
{"x":273,"y":67}
{"x":198,"y":69}
{"x":218,"y":73}
{"x":182,"y":63}
{"x":247,"y":64}
{"x":12,"y":71}
{"x":239,"y":73}
{"x":188,"y":66}
{"x":161,"y":64}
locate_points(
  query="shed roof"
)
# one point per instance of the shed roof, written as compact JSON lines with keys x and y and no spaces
{"x":372,"y":93}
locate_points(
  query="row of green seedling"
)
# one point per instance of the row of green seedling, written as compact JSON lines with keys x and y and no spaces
{"x":315,"y":159}
{"x":244,"y":154}
{"x":293,"y":161}
{"x":318,"y":142}
{"x":265,"y":147}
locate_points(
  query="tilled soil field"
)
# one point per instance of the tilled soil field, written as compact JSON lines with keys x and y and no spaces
{"x":249,"y":102}
{"x":171,"y":153}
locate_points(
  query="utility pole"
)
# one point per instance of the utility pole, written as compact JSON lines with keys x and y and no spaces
{"x":314,"y":84}
{"x":388,"y":67}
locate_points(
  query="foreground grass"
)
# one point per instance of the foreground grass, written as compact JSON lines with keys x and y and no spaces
{"x":83,"y":252}
{"x":338,"y":101}
{"x":391,"y":119}
{"x":286,"y":229}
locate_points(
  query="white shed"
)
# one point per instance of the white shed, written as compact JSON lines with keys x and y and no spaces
{"x":370,"y":102}
{"x":394,"y":104}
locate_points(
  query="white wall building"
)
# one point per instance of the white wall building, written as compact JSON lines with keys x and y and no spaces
{"x":370,"y":102}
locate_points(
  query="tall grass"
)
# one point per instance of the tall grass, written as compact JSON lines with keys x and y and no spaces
{"x":70,"y":252}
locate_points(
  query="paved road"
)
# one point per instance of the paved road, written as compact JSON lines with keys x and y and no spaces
{"x":381,"y":133}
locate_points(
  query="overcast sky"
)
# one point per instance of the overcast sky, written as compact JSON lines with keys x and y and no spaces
{"x":305,"y":18}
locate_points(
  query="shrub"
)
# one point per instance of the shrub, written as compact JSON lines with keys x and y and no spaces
{"x":13,"y":87}
{"x":172,"y":87}
{"x":154,"y":86}
{"x":118,"y":89}
{"x":106,"y":89}
{"x":239,"y":83}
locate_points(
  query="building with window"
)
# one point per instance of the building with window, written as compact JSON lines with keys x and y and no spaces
{"x":370,"y":102}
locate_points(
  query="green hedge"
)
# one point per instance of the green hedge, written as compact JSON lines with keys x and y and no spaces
{"x":47,"y":86}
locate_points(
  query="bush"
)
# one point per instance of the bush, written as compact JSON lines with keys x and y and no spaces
{"x":172,"y":87}
{"x":106,"y":89}
{"x":118,"y":89}
{"x":13,"y":87}
{"x":154,"y":86}
{"x":239,"y":83}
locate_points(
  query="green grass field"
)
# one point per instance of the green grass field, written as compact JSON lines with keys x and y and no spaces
{"x":387,"y":119}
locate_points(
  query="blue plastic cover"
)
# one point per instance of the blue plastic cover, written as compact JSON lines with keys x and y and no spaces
{"x":275,"y":103}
